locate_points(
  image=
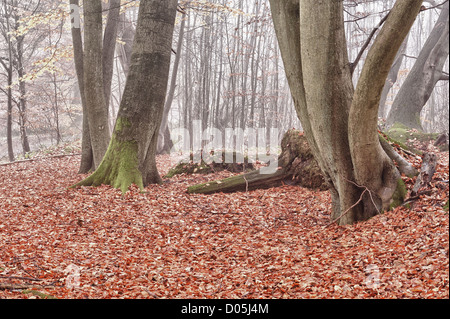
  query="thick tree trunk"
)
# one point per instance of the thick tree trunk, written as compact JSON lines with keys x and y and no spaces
{"x":23,"y":92}
{"x":97,"y":112}
{"x":313,"y":46}
{"x":421,"y":80}
{"x":109,"y":40}
{"x":130,"y":158}
{"x":329,"y":89}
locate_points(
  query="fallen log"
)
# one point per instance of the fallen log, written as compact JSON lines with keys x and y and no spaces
{"x":427,"y":170}
{"x":244,"y":182}
{"x":203,"y":167}
{"x":296,"y":165}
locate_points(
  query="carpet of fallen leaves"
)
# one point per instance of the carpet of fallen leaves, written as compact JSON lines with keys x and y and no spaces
{"x":164,"y":243}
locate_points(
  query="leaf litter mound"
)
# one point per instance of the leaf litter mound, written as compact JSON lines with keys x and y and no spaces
{"x":165,"y":243}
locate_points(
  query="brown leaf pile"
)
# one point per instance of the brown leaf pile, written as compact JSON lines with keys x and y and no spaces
{"x":164,"y":243}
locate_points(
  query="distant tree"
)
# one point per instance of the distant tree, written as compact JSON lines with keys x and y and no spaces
{"x":421,"y":80}
{"x":11,"y":24}
{"x":94,"y":66}
{"x":131,"y":155}
{"x":7,"y":63}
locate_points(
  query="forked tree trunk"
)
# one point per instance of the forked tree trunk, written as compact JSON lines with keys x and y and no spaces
{"x":109,"y":40}
{"x":130,"y":158}
{"x":87,"y":159}
{"x":340,"y":123}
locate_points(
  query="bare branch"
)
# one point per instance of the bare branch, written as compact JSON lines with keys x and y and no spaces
{"x":366,"y":44}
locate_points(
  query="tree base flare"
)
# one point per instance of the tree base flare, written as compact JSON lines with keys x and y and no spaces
{"x":119,"y":168}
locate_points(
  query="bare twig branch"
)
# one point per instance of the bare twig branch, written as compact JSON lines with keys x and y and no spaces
{"x":366,"y":44}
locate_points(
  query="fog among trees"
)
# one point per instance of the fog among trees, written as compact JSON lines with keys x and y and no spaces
{"x":229,"y":71}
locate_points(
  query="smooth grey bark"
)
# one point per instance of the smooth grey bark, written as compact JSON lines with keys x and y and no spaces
{"x":87,"y":159}
{"x":130,"y":158}
{"x":126,"y":33}
{"x":99,"y":58}
{"x":8,"y":69}
{"x":109,"y":46}
{"x":372,"y":166}
{"x":9,"y":74}
{"x":97,"y":112}
{"x":164,"y":134}
{"x":421,"y":80}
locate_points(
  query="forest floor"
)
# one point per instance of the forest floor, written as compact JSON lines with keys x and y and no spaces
{"x":164,"y":243}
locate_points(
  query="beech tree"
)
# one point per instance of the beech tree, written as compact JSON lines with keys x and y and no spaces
{"x":130,"y":158}
{"x":340,"y":120}
{"x":96,"y":58}
{"x":164,"y":141}
{"x":7,"y":64}
{"x":421,"y":80}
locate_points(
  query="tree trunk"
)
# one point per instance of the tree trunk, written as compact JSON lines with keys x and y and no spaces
{"x":9,"y":72}
{"x":9,"y":116}
{"x":130,"y":158}
{"x":97,"y":112}
{"x":340,"y":123}
{"x":373,"y":168}
{"x":164,"y":141}
{"x":421,"y":80}
{"x":9,"y":121}
{"x":124,"y":50}
{"x":87,"y":159}
{"x":109,"y":46}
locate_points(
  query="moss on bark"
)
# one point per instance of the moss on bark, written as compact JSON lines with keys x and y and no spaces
{"x":405,"y":136}
{"x":399,"y":195}
{"x":119,"y":167}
